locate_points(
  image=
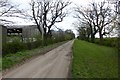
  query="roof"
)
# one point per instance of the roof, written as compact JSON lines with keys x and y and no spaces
{"x":19,"y":26}
{"x":2,"y":26}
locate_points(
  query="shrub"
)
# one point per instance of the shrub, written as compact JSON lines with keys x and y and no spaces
{"x":13,"y":47}
{"x":49,"y":41}
{"x":17,"y":46}
{"x":38,"y":41}
{"x":112,"y":42}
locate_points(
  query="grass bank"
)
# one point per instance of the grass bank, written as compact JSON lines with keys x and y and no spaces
{"x":11,"y":60}
{"x":94,"y":61}
{"x":0,"y":63}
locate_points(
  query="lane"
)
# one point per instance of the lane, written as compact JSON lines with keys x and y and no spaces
{"x":54,"y":64}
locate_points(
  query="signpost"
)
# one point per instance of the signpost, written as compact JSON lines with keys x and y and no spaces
{"x":0,"y":40}
{"x":3,"y":35}
{"x":14,"y":31}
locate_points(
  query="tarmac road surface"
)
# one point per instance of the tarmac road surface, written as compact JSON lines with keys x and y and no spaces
{"x":53,"y":64}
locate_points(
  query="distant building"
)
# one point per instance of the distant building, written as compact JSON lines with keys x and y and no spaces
{"x":24,"y":31}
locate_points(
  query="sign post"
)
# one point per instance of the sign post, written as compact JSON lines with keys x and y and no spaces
{"x":3,"y":37}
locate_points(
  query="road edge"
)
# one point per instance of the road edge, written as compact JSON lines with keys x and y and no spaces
{"x":33,"y":57}
{"x":70,"y":66}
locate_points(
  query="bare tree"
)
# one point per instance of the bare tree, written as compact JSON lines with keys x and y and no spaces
{"x":83,"y":30}
{"x":104,"y":16}
{"x":85,"y":16}
{"x":118,"y":22}
{"x":46,"y":13}
{"x":98,"y":16}
{"x":5,"y":8}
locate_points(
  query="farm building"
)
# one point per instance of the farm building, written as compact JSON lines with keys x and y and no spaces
{"x":25,"y":32}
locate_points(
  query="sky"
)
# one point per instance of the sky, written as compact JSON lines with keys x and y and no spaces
{"x":68,"y":21}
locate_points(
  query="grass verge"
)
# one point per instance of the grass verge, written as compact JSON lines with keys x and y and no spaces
{"x":94,"y":61}
{"x":0,"y":63}
{"x":18,"y":58}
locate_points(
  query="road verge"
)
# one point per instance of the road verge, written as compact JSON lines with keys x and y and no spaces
{"x":12,"y":61}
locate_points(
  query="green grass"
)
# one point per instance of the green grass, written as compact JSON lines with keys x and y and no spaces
{"x":94,"y":61}
{"x":111,"y":42}
{"x":11,"y":60}
{"x":0,"y":63}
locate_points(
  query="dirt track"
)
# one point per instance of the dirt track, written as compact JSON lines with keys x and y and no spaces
{"x":54,"y":64}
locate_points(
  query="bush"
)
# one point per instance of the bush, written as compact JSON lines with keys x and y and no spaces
{"x":38,"y":41}
{"x":112,"y":42}
{"x":49,"y":41}
{"x":13,"y":47}
{"x":17,"y":46}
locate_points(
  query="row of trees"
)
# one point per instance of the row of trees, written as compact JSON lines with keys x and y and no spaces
{"x":97,"y":18}
{"x":17,"y":45}
{"x":45,"y":13}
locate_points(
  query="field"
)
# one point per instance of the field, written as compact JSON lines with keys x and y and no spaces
{"x":94,"y":61}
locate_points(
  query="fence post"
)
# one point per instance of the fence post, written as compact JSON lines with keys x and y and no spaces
{"x":0,"y":40}
{"x":3,"y":37}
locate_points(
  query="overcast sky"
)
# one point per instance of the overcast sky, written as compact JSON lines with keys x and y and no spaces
{"x":67,"y":22}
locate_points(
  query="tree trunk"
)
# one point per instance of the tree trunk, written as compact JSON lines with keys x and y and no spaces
{"x":42,"y":39}
{"x":92,"y":35}
{"x":92,"y":38}
{"x":49,"y":34}
{"x":88,"y":37}
{"x":101,"y":37}
{"x":45,"y":37}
